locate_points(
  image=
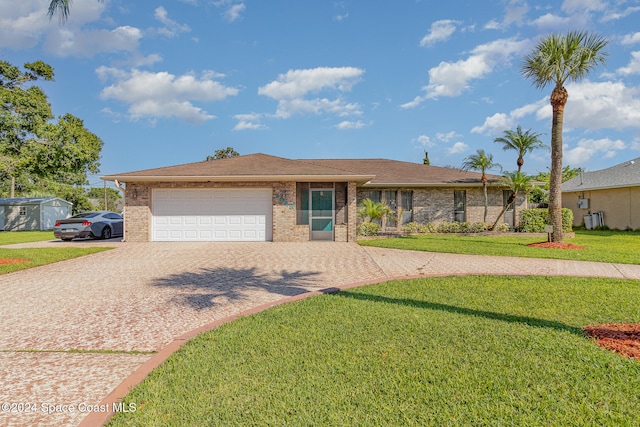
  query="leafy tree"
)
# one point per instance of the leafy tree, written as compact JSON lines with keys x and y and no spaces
{"x":35,"y":153}
{"x":371,"y":211}
{"x":224,"y":153}
{"x":519,"y":183}
{"x":24,"y":112}
{"x":521,"y":142}
{"x":555,"y":60}
{"x":113,"y":197}
{"x":541,"y":194}
{"x":481,"y":162}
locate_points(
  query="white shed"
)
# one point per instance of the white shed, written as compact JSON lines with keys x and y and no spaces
{"x":37,"y":213}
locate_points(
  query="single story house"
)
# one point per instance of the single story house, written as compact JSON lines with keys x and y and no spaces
{"x":612,"y":194}
{"x":32,"y":213}
{"x":259,"y":197}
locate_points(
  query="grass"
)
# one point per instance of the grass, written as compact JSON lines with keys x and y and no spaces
{"x":605,"y":246}
{"x":42,"y":256}
{"x":36,"y":256}
{"x":479,"y":350}
{"x":11,"y":237}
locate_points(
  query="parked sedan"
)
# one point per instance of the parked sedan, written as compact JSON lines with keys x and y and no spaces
{"x":97,"y":225}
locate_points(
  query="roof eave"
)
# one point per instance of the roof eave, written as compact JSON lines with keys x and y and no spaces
{"x":239,"y":178}
{"x":606,"y":187}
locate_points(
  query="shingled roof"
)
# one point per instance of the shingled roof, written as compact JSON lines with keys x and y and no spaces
{"x":263,"y":167}
{"x":625,"y":174}
{"x":396,"y":173}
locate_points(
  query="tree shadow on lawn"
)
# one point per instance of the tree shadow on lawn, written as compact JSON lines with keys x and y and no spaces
{"x":531,"y":321}
{"x":210,"y":287}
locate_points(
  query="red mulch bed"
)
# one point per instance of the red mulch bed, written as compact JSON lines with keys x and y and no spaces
{"x":13,"y":260}
{"x":553,"y":245}
{"x":623,"y":338}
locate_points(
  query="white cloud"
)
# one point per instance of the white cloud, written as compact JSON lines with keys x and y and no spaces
{"x":453,"y":78}
{"x":580,"y":6}
{"x":591,"y":105}
{"x":346,"y":124}
{"x":446,"y":137}
{"x":633,"y":67}
{"x":232,"y":9}
{"x":440,"y":31}
{"x":499,"y":122}
{"x":614,"y":14}
{"x":458,"y":147}
{"x":425,"y":141}
{"x":631,"y":39}
{"x":291,"y":88}
{"x":163,"y":95}
{"x":515,"y":12}
{"x":588,"y":148}
{"x":171,"y":28}
{"x":250,"y":121}
{"x":92,"y":42}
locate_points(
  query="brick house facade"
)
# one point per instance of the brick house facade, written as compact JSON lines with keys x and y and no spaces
{"x":309,"y":199}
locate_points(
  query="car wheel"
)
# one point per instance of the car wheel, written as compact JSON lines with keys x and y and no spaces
{"x":106,"y":233}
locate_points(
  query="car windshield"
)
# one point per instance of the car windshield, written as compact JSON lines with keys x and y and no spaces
{"x":86,"y":215}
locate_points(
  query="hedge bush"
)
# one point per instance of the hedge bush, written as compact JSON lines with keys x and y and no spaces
{"x":450,"y":227}
{"x":368,"y":229}
{"x":534,"y":220}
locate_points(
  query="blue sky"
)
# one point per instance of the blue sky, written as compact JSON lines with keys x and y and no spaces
{"x":169,"y":82}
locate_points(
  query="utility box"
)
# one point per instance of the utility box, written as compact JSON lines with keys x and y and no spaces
{"x":583,"y":203}
{"x":588,"y":222}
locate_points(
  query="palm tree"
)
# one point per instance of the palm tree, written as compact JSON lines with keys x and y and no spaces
{"x":557,"y":59}
{"x":523,"y":143}
{"x":60,"y":8}
{"x":481,"y":162}
{"x":518,"y":183}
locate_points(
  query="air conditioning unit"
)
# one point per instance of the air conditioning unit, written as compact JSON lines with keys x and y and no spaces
{"x":583,"y":203}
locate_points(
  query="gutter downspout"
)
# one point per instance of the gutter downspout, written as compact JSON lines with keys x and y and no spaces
{"x":124,"y":208}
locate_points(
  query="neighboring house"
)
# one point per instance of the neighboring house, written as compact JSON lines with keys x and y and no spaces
{"x":259,"y":197}
{"x":37,"y":213}
{"x":614,"y":191}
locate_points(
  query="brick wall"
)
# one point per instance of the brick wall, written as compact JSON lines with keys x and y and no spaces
{"x":436,"y":204}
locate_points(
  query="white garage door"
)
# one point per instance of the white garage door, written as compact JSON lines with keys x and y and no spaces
{"x":211,"y":215}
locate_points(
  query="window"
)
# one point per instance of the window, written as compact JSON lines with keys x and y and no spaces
{"x":505,"y":199}
{"x":302,"y":203}
{"x":407,"y":200}
{"x":375,"y":196}
{"x":406,"y":203}
{"x":459,"y":205}
{"x":23,"y":210}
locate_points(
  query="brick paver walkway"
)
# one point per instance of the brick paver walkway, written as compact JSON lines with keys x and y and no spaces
{"x":141,"y":296}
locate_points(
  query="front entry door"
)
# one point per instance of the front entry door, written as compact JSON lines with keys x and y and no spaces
{"x":322,"y":212}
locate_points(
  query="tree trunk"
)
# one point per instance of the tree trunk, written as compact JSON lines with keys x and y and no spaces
{"x":510,"y":200}
{"x":558,"y":100}
{"x":486,"y":202}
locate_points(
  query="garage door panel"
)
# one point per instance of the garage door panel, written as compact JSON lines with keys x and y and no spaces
{"x":212,"y":215}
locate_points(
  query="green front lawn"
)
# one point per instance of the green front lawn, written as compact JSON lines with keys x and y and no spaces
{"x":41,"y":256}
{"x":605,"y":246}
{"x":36,"y":256}
{"x":11,"y":237}
{"x":436,"y":351}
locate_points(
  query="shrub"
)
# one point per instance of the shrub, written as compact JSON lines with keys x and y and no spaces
{"x":503,"y":228}
{"x":368,"y":229}
{"x":534,"y":220}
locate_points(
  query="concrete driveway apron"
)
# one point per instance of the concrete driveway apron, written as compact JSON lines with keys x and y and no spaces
{"x":70,"y":332}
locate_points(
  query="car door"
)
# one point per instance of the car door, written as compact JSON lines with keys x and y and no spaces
{"x":115,"y":221}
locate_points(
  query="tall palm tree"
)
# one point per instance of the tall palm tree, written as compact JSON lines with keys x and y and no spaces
{"x":60,"y":8}
{"x":521,"y":142}
{"x":557,"y":59}
{"x":481,"y":162}
{"x":518,"y":183}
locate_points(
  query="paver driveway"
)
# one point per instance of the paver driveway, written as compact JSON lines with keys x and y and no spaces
{"x":140,"y":296}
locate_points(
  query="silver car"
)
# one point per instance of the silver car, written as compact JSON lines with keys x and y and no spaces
{"x":97,"y":225}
